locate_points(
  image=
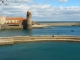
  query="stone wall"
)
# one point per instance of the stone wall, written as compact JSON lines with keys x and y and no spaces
{"x":2,"y":19}
{"x":21,"y":39}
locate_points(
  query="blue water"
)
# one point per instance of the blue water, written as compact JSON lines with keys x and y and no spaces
{"x":58,"y":21}
{"x":60,"y":30}
{"x":42,"y":50}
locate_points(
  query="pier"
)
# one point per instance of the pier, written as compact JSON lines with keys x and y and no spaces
{"x":24,"y":39}
{"x":43,"y":25}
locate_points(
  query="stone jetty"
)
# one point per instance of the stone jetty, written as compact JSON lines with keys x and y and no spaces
{"x":24,"y":39}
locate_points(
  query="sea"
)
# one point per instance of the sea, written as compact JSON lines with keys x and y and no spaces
{"x":42,"y":50}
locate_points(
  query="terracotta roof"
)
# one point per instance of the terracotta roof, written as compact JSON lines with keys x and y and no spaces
{"x":16,"y":18}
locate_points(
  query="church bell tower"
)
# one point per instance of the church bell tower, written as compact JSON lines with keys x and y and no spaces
{"x":29,"y":20}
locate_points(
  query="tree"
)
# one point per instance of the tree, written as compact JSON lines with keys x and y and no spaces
{"x":2,"y":2}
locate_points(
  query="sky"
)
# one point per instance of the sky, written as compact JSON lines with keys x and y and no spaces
{"x":42,"y":10}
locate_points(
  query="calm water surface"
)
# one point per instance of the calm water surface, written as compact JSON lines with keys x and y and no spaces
{"x":60,"y":30}
{"x":42,"y":50}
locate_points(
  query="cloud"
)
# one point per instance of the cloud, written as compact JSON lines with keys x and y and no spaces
{"x":63,"y":0}
{"x":18,"y":1}
{"x":42,"y":12}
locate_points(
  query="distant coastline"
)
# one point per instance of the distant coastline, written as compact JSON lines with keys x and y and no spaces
{"x":56,"y":21}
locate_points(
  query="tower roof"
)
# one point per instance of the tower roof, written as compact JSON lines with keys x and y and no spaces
{"x":29,"y":11}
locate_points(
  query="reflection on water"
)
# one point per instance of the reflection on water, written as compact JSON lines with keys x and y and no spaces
{"x":6,"y":33}
{"x":59,"y":30}
{"x":29,"y":32}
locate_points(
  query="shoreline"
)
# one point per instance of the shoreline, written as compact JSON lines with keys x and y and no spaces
{"x":43,"y":25}
{"x":25,"y":39}
{"x":40,"y":25}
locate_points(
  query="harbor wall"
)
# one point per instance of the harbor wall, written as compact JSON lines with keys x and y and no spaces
{"x":41,"y":25}
{"x":23,"y":39}
{"x":62,"y":24}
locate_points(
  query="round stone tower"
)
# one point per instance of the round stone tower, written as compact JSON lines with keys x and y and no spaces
{"x":29,"y":20}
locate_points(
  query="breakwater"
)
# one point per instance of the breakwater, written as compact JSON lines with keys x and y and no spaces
{"x":62,"y":24}
{"x":43,"y":25}
{"x":23,"y":39}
